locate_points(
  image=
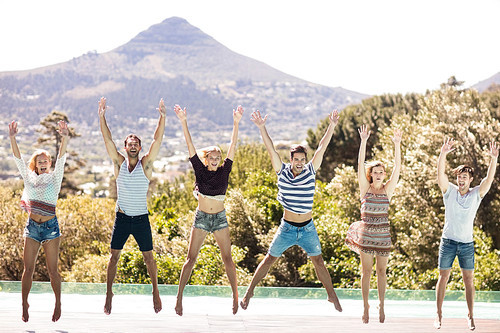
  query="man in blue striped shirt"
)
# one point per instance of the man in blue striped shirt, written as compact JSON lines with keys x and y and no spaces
{"x":132,"y":181}
{"x":296,"y":184}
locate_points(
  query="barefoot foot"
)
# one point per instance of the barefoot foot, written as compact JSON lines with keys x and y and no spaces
{"x":178,"y":306}
{"x":26,"y":315}
{"x":246,"y":300}
{"x":335,"y":300}
{"x":57,"y":312}
{"x":107,"y":304}
{"x":366,"y":315}
{"x":437,"y":322}
{"x":157,"y":301}
{"x":381,"y":314}
{"x":235,"y":305}
{"x":470,"y":323}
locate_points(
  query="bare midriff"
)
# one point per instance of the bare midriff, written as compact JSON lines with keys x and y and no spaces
{"x":297,"y":218}
{"x":40,"y":218}
{"x":210,"y":206}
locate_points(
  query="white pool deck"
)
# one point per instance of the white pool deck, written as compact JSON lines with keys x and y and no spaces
{"x":134,"y":313}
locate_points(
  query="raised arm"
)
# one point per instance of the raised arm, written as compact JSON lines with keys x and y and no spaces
{"x":13,"y":141}
{"x":364,"y":184}
{"x":261,"y":124}
{"x":64,"y":132}
{"x":116,"y":157}
{"x":181,"y":114}
{"x":485,"y":185}
{"x":390,"y":186}
{"x":441,"y":165}
{"x":325,"y":140}
{"x":237,"y":114}
{"x":154,"y":149}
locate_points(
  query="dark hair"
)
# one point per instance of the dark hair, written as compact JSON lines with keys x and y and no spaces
{"x":463,"y":168}
{"x":132,"y":136}
{"x":297,"y":149}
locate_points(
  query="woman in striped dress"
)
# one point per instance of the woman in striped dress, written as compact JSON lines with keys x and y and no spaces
{"x":371,"y":236}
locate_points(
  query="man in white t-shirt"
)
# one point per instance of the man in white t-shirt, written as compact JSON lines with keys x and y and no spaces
{"x":461,"y":203}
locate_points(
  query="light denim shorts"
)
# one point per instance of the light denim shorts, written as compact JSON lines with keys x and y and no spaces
{"x":449,"y":249}
{"x":42,"y":232}
{"x":288,"y":235}
{"x":210,"y":222}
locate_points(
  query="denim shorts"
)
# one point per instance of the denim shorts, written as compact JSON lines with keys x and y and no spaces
{"x":288,"y":235}
{"x":449,"y":249}
{"x":210,"y":222}
{"x":137,"y":226}
{"x":42,"y":232}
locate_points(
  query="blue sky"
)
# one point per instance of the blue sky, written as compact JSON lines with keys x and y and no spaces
{"x":373,"y":47}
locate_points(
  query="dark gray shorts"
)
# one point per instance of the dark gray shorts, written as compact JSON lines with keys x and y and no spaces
{"x":137,"y":226}
{"x":210,"y":222}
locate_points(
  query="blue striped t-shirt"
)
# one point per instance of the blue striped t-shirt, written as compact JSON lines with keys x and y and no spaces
{"x":132,"y":190}
{"x":296,"y":194}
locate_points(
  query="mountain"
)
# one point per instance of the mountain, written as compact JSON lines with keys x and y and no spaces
{"x":180,"y":63}
{"x":485,"y":84}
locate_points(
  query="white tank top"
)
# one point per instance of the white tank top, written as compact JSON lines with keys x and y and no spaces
{"x":132,"y":189}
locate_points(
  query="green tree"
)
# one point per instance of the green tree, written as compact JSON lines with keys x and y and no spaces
{"x":376,"y":112}
{"x":49,"y":135}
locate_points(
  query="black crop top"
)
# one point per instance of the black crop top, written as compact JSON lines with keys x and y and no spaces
{"x":211,"y":182}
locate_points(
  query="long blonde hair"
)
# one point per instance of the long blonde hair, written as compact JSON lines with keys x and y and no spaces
{"x":206,"y":151}
{"x":369,"y":167}
{"x":32,"y":161}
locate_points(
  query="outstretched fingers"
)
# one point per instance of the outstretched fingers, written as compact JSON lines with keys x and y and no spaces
{"x":238,"y":113}
{"x":102,"y":106}
{"x":13,"y":128}
{"x":161,"y":108}
{"x":257,"y":119}
{"x":398,"y":135}
{"x":494,"y":148}
{"x":448,"y":145}
{"x":364,"y":133}
{"x":180,"y":112}
{"x":63,"y":128}
{"x":334,"y":117}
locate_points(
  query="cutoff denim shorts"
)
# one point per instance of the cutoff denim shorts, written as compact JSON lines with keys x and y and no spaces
{"x":449,"y":249}
{"x":42,"y":232}
{"x":288,"y":235}
{"x":210,"y":222}
{"x":137,"y":226}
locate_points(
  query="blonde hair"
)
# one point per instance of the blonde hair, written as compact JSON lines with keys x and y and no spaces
{"x":369,"y":167}
{"x":38,"y":152}
{"x":206,"y":151}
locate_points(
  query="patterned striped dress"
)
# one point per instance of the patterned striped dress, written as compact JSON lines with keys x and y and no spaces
{"x":371,"y":235}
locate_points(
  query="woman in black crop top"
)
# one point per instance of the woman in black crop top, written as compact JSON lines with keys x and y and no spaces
{"x":210,"y":189}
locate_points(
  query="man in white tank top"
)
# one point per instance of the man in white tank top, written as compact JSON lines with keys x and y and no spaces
{"x":132,"y":177}
{"x":461,"y":204}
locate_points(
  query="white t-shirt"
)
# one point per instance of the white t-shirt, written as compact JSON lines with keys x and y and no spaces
{"x":460,"y":212}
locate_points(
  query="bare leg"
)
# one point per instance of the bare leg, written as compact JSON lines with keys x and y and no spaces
{"x":259,"y":274}
{"x":150,"y":262}
{"x":326,"y":280}
{"x":224,"y":241}
{"x":366,"y":272}
{"x":30,"y":253}
{"x":381,"y":267}
{"x":468,"y":277}
{"x":195,"y":243}
{"x":444,"y":276}
{"x":110,"y":278}
{"x":51,"y":249}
